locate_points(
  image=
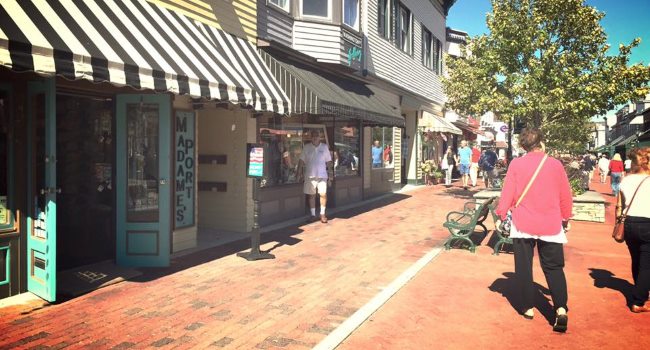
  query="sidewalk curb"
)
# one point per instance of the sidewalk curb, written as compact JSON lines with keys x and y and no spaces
{"x":337,"y":336}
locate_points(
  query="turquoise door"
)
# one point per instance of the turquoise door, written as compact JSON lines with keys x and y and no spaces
{"x":42,"y":190}
{"x":143,"y":144}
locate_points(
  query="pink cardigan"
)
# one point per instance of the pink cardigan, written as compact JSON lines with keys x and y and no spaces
{"x":548,"y":201}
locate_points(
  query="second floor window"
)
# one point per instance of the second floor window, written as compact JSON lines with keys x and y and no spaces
{"x":316,"y":8}
{"x":427,"y":48}
{"x":437,"y":56}
{"x":283,"y":4}
{"x":404,"y":29}
{"x":351,"y":13}
{"x":384,"y":19}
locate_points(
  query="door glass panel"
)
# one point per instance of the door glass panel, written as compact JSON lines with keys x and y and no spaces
{"x":4,"y":162}
{"x":40,"y":190}
{"x":142,"y":162}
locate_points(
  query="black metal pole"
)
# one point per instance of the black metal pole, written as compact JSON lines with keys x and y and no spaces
{"x":255,"y":253}
{"x":509,"y":155}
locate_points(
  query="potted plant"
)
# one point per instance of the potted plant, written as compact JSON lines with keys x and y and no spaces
{"x":428,"y":168}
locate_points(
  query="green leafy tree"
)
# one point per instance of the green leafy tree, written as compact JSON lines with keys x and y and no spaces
{"x":545,"y":62}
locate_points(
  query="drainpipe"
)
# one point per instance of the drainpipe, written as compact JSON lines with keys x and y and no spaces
{"x":364,"y":38}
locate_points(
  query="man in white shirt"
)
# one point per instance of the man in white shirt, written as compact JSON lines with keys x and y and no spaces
{"x":316,"y":169}
{"x":603,"y":167}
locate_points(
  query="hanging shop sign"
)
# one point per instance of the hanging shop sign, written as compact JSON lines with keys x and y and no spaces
{"x":352,"y":49}
{"x":255,"y":160}
{"x":184,"y":169}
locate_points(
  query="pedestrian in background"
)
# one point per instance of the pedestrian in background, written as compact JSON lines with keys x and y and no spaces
{"x":588,"y":167}
{"x":464,"y":160}
{"x":628,"y":165}
{"x":447,"y":164}
{"x":637,"y":225}
{"x":603,"y":167}
{"x":488,"y":162}
{"x":541,"y":219}
{"x":616,"y":173}
{"x":473,"y":169}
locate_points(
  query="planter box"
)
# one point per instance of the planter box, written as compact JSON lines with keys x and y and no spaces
{"x":589,"y":206}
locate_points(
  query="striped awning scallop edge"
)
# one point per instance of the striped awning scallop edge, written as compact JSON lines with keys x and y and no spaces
{"x":134,"y":43}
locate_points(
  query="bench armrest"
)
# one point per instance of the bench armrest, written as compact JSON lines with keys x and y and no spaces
{"x":458,"y":214}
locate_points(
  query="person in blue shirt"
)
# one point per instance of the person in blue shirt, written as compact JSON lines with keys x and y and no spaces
{"x":487,"y":162}
{"x":377,"y":153}
{"x":464,"y":161}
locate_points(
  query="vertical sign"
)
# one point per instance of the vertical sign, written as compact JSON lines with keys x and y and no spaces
{"x":184,"y":169}
{"x":255,"y":161}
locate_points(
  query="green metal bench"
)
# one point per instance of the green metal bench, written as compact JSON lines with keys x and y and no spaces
{"x":502,"y":239}
{"x":462,"y":224}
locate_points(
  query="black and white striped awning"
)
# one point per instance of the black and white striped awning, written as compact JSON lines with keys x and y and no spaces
{"x":135,"y":43}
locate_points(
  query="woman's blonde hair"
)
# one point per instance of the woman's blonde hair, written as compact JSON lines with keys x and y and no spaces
{"x":616,"y":157}
{"x":640,"y":160}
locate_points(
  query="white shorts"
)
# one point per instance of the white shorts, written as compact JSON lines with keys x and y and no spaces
{"x":313,"y":184}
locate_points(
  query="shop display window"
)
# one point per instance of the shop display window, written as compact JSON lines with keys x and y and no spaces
{"x":381,"y":150}
{"x":6,"y":219}
{"x":346,"y":147}
{"x":283,"y":140}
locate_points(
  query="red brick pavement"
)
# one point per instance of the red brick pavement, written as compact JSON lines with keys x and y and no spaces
{"x":322,"y":275}
{"x":464,"y":301}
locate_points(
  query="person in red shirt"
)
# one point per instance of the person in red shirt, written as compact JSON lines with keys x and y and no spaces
{"x":473,"y":168}
{"x":541,"y":219}
{"x":616,"y":169}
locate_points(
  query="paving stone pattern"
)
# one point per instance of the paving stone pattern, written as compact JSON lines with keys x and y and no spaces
{"x":322,"y":274}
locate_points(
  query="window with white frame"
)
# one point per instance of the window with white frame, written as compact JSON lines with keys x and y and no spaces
{"x":283,"y":4}
{"x":427,"y":48}
{"x":384,"y":19}
{"x":404,"y":29}
{"x":351,"y":13}
{"x":316,"y":8}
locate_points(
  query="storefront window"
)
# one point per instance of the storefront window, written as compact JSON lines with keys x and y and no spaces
{"x":283,"y":140}
{"x":382,"y":147}
{"x":346,"y":147}
{"x":5,"y":166}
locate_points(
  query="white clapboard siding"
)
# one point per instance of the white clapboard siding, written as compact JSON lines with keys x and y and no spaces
{"x":273,"y":25}
{"x":391,"y":64}
{"x":321,"y":41}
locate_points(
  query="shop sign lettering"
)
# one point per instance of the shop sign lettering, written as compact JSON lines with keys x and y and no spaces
{"x":185,"y":169}
{"x":255,"y":161}
{"x":354,"y":54}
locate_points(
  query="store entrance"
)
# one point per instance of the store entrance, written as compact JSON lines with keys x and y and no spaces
{"x":85,"y":226}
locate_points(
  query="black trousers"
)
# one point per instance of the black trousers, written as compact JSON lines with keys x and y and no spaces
{"x":551,"y":257}
{"x":637,"y":237}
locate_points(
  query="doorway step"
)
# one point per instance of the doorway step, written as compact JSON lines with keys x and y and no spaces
{"x":84,"y":279}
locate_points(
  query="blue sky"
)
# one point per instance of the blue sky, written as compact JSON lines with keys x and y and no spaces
{"x":624,"y":21}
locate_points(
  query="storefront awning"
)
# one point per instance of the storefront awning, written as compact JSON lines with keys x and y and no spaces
{"x":138,"y":44}
{"x":615,"y":141}
{"x":316,"y":92}
{"x":431,"y":122}
{"x":626,"y":141}
{"x":469,"y":128}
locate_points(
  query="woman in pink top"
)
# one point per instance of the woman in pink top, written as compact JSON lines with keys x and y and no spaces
{"x":541,"y":219}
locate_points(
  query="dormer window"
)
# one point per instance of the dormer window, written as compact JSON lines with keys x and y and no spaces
{"x":316,"y":8}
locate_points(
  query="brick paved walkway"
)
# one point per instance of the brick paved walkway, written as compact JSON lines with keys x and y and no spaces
{"x":466,"y":301}
{"x":322,"y":275}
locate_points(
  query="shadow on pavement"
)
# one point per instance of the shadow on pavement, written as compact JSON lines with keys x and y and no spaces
{"x":459,"y":192}
{"x":352,"y":212}
{"x":507,"y":287}
{"x":281,"y":237}
{"x":605,"y":279}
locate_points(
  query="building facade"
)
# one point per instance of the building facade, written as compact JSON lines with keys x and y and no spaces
{"x":124,"y":124}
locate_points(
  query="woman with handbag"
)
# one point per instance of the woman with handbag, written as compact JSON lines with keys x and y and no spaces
{"x":634,"y":198}
{"x":537,"y":195}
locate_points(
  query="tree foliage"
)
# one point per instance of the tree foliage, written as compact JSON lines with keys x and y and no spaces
{"x":545,"y":62}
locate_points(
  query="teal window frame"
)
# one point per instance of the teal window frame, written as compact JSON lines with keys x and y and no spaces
{"x":7,"y":264}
